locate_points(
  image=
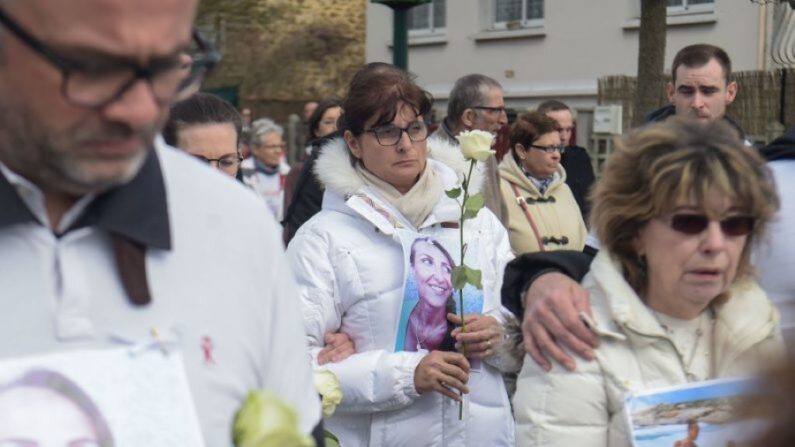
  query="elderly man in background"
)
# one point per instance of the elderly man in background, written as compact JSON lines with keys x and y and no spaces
{"x":476,"y":103}
{"x":106,"y":232}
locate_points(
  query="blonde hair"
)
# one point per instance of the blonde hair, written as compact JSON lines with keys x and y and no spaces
{"x":656,"y":168}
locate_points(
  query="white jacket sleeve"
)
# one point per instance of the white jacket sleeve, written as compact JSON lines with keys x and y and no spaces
{"x":371,"y":381}
{"x":561,"y":408}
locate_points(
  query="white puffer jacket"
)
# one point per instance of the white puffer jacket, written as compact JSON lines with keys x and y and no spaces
{"x":584,"y":408}
{"x":350,"y":276}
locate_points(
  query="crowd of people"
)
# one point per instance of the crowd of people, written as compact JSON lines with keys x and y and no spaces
{"x":671,"y":269}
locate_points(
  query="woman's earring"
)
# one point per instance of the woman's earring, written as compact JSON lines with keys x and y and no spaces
{"x":641,"y":263}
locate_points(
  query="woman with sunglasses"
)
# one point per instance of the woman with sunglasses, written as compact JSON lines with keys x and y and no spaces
{"x":543,"y":214}
{"x":383,"y":178}
{"x":678,"y":209}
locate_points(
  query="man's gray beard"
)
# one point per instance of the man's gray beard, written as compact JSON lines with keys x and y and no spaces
{"x":29,"y":151}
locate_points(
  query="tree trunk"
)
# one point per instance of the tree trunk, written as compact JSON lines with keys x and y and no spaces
{"x":651,"y":59}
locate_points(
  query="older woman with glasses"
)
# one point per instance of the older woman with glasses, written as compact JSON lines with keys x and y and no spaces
{"x":678,"y":209}
{"x":208,"y":128}
{"x":266,"y":171}
{"x":542,"y":212}
{"x":383,"y":180}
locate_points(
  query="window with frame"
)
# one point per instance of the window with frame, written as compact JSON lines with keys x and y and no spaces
{"x":428,"y":18}
{"x":690,"y":6}
{"x":512,"y":14}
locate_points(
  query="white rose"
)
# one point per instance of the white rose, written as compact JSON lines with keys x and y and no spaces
{"x":328,"y":386}
{"x":476,"y":144}
{"x":265,"y":420}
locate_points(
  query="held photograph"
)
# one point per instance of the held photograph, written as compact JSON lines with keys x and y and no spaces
{"x":428,"y":293}
{"x":716,"y":413}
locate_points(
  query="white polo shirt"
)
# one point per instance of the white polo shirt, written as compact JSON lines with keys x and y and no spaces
{"x":219,"y":282}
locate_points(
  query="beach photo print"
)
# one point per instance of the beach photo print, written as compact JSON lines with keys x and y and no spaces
{"x":717,"y":413}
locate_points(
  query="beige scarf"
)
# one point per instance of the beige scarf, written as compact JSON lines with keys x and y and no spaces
{"x":416,"y":205}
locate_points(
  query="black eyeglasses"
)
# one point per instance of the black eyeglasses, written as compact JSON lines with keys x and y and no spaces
{"x":390,"y":135}
{"x":692,"y":224}
{"x":549,"y":149}
{"x":227,"y":162}
{"x":97,"y":83}
{"x":491,"y":109}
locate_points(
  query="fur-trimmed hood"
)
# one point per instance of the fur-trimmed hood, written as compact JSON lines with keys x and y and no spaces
{"x":336,"y":173}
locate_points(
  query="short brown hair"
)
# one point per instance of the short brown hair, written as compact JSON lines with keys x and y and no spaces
{"x":656,"y":166}
{"x":552,"y":105}
{"x":700,"y":54}
{"x":376,"y":91}
{"x":197,"y":110}
{"x":529,"y":127}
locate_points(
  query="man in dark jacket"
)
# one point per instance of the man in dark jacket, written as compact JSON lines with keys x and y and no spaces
{"x":576,"y":161}
{"x":701,"y":86}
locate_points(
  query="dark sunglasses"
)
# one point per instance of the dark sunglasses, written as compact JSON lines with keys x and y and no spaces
{"x":693,"y":224}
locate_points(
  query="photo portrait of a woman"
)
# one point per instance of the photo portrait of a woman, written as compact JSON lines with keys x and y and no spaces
{"x":46,"y":408}
{"x":431,"y":267}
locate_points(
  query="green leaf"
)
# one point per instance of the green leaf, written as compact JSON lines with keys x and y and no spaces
{"x":474,"y":277}
{"x":475,"y":203}
{"x":330,"y":439}
{"x":453,"y":193}
{"x":459,"y":277}
{"x":469,"y":214}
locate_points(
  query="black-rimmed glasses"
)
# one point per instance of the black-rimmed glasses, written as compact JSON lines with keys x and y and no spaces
{"x":96,"y":83}
{"x":227,"y":162}
{"x":549,"y":149}
{"x":491,"y":109}
{"x":389,"y":135}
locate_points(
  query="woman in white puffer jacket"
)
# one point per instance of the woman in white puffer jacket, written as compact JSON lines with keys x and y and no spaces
{"x":678,"y":210}
{"x":383,"y":178}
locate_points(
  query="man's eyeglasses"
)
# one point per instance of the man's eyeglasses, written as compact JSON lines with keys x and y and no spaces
{"x":97,"y":83}
{"x":227,"y":162}
{"x":390,"y":135}
{"x":549,"y":149}
{"x":693,"y":224}
{"x":491,"y":109}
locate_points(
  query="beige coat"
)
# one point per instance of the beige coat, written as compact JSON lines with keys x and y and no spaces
{"x":552,"y":220}
{"x":584,"y":408}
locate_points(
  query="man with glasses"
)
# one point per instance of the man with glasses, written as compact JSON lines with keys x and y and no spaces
{"x":208,"y":128}
{"x":476,"y":103}
{"x":107,"y":234}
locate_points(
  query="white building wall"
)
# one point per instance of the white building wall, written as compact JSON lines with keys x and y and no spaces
{"x":579,"y":42}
